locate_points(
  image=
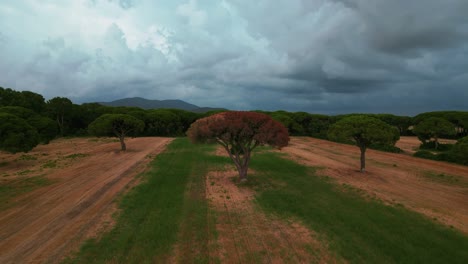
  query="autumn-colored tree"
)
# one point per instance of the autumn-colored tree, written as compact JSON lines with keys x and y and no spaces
{"x":239,"y":133}
{"x":119,"y":125}
{"x":363,"y":131}
{"x":434,"y":127}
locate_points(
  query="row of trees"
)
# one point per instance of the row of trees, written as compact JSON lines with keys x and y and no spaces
{"x":27,"y":115}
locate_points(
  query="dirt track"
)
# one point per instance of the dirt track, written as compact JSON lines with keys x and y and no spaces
{"x":394,"y":178}
{"x":46,"y":224}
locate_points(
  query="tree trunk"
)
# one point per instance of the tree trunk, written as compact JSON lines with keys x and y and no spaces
{"x":122,"y":143}
{"x":243,"y":174}
{"x":363,"y":159}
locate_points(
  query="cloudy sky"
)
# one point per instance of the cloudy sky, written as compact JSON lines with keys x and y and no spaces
{"x":321,"y":56}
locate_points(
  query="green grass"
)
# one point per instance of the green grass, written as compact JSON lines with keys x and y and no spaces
{"x":359,"y":229}
{"x":168,"y":208}
{"x":13,"y":188}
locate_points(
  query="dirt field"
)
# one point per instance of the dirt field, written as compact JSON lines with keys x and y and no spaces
{"x":46,"y":224}
{"x":436,"y":189}
{"x":411,"y":144}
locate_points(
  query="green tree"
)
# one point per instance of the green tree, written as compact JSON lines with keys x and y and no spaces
{"x":16,"y":135}
{"x":45,"y":126}
{"x":284,"y":118}
{"x":459,"y":152}
{"x":434,"y":127}
{"x":239,"y":133}
{"x":60,"y":108}
{"x":119,"y":125}
{"x":363,"y":131}
{"x":162,"y":122}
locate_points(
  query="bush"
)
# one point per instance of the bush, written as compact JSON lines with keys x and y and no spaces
{"x":459,"y":152}
{"x":425,"y":155}
{"x":386,"y":148}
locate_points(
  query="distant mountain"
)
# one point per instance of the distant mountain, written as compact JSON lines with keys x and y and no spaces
{"x":157,"y":104}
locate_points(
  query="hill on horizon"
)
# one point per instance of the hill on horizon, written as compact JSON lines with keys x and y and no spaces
{"x":158,"y":104}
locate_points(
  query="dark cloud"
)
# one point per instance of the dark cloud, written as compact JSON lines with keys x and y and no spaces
{"x":324,"y":56}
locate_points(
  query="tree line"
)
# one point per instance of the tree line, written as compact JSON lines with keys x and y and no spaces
{"x":27,"y":119}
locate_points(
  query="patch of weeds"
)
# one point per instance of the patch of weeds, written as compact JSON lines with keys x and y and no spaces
{"x":443,"y":178}
{"x":76,"y":156}
{"x":4,"y":163}
{"x":13,"y":188}
{"x":27,"y":157}
{"x":24,"y":172}
{"x":50,"y":164}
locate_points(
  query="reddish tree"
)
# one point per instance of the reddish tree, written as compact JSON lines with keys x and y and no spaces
{"x":239,"y":133}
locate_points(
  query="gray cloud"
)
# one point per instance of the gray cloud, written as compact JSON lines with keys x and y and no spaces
{"x":315,"y":55}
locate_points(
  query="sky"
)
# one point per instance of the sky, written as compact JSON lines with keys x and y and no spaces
{"x":320,"y":56}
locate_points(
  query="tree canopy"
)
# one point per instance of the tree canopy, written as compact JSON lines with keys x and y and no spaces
{"x":363,"y":131}
{"x":239,"y":133}
{"x":60,"y":108}
{"x":119,"y":125}
{"x":434,"y":127}
{"x":16,"y":135}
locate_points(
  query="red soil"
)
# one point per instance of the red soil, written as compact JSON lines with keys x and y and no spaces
{"x":45,"y":225}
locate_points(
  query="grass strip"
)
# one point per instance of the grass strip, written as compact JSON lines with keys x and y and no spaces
{"x":154,"y":212}
{"x":359,"y":229}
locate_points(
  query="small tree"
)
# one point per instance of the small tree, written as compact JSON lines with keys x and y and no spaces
{"x":119,"y":125}
{"x":363,"y":131}
{"x":434,"y":127}
{"x":16,"y":135}
{"x":239,"y":133}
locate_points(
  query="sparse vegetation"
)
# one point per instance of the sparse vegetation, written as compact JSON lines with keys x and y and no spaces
{"x":13,"y":188}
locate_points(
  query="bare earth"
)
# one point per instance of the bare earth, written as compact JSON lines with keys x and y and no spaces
{"x":411,"y":144}
{"x":48,"y":223}
{"x":393,"y":178}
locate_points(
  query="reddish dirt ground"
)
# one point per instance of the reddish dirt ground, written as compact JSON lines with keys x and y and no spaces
{"x":46,"y":224}
{"x":393,"y":178}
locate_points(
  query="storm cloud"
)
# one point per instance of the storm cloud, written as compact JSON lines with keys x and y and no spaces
{"x":334,"y":56}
